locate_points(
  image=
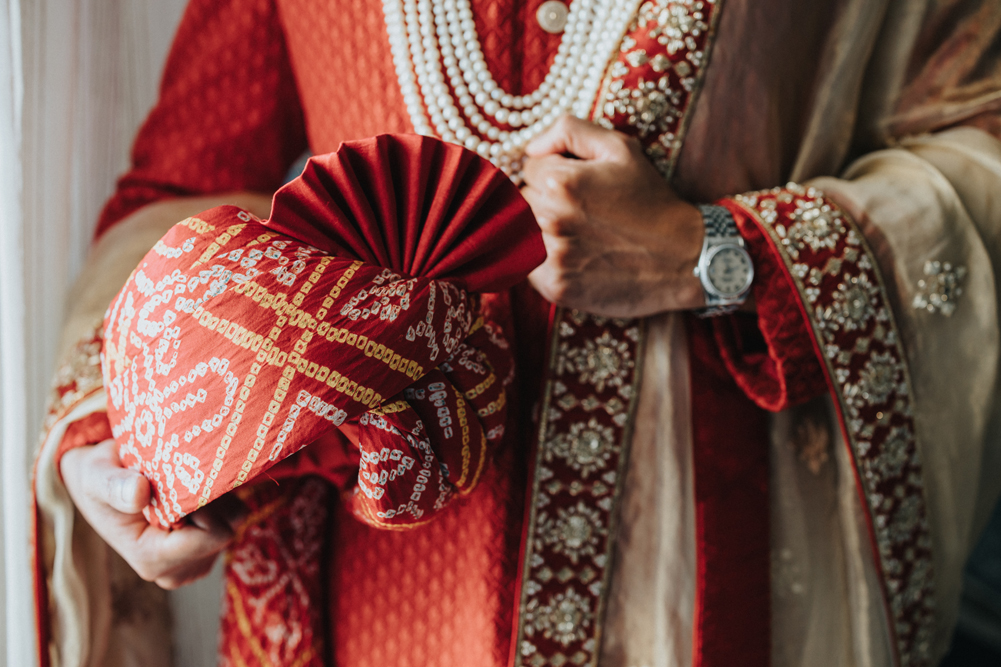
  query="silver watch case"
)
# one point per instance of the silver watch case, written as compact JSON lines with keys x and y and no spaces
{"x":714,"y":295}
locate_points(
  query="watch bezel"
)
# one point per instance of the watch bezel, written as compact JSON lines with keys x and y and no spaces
{"x":707,"y":281}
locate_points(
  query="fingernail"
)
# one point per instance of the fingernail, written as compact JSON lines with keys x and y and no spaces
{"x":127,"y":490}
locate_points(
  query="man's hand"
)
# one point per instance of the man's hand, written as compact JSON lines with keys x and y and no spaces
{"x":619,"y":240}
{"x":111,"y":498}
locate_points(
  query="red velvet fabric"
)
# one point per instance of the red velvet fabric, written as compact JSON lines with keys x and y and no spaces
{"x":772,"y":359}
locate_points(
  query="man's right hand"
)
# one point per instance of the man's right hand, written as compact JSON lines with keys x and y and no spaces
{"x":111,"y":498}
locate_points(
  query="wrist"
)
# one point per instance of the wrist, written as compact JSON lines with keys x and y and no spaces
{"x":683,"y":231}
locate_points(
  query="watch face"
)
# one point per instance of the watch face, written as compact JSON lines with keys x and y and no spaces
{"x":730,"y":271}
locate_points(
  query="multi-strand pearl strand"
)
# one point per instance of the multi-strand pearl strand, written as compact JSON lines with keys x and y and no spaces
{"x":450,"y":93}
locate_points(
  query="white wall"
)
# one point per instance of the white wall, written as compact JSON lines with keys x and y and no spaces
{"x":76,"y":79}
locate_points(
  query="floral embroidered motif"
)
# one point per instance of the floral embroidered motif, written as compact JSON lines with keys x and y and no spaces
{"x":599,"y":362}
{"x":564,"y":619}
{"x":816,"y":225}
{"x":586,"y":447}
{"x":574,"y":531}
{"x":940,"y":289}
{"x":895,"y":453}
{"x":852,"y":306}
{"x":880,"y":376}
{"x":787,"y":575}
{"x":837,"y":279}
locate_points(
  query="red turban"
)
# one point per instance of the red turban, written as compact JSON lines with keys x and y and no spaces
{"x":236,"y":342}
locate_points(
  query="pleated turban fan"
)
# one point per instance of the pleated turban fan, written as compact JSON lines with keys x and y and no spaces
{"x":353,"y":309}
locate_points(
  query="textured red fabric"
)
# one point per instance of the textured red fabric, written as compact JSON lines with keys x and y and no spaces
{"x":730,"y":462}
{"x":772,"y":360}
{"x":441,"y":595}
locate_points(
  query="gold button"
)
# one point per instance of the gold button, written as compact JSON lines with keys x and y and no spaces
{"x":552,"y":16}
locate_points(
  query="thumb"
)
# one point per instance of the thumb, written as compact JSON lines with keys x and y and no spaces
{"x":126,"y":490}
{"x":130,"y":492}
{"x":579,"y":138}
{"x":101,"y":473}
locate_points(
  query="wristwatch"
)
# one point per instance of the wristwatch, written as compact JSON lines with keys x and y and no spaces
{"x":725,"y":268}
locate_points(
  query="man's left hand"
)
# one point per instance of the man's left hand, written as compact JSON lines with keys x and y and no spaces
{"x":619,"y":240}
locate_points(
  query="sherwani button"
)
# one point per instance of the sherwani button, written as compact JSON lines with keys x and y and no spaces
{"x":552,"y":16}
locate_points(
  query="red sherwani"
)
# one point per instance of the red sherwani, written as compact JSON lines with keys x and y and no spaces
{"x":248,"y":87}
{"x":251,"y":84}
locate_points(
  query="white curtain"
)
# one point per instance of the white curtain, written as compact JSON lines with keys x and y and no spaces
{"x":76,"y":79}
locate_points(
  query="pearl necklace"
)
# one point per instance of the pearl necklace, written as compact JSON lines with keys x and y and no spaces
{"x":441,"y":68}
